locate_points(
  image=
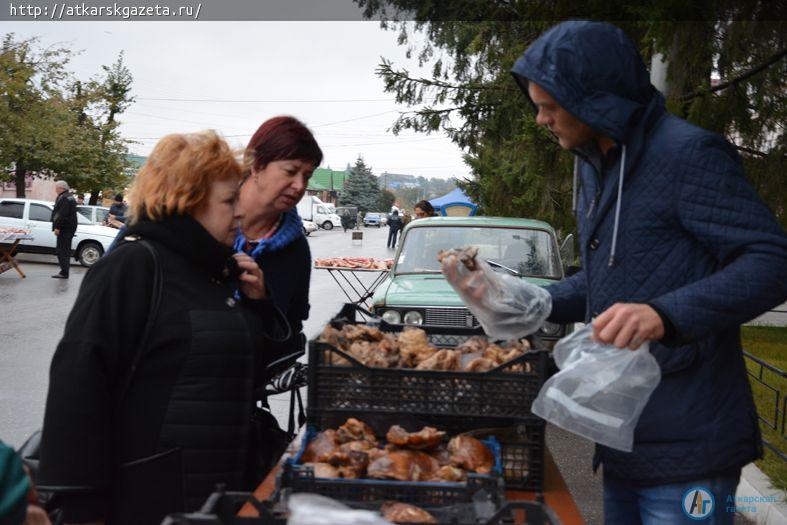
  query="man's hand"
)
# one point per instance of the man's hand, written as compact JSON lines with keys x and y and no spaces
{"x":57,"y":232}
{"x":471,"y":285}
{"x":252,"y":283}
{"x":628,"y":325}
{"x":36,"y":516}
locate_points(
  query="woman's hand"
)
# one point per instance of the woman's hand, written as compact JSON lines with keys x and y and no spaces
{"x":252,"y":282}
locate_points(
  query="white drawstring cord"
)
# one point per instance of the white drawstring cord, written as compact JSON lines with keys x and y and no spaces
{"x":617,"y":207}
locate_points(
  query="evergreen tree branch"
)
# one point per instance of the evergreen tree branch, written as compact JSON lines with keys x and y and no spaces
{"x":740,"y":78}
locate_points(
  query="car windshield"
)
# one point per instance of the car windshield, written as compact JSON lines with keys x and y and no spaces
{"x":531,"y":253}
{"x":372,"y":215}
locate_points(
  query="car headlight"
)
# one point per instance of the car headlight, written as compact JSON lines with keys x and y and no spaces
{"x":413,"y":318}
{"x":550,"y":329}
{"x":392,"y":317}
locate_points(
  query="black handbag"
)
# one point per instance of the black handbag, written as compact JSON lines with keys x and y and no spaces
{"x":268,"y":440}
{"x":30,"y":450}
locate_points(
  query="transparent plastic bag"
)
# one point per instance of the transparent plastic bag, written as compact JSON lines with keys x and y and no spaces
{"x":313,"y":509}
{"x":507,"y":307}
{"x":600,"y":390}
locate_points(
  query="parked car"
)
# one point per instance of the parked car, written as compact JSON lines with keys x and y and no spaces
{"x":352,"y":212}
{"x":416,"y":293}
{"x":89,"y":243}
{"x":308,"y":227}
{"x":95,"y":214}
{"x":372,"y":219}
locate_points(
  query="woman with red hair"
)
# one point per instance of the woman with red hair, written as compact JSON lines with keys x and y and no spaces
{"x":150,"y":388}
{"x":283,"y":155}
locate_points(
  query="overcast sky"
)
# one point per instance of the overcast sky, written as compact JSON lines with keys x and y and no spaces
{"x":296,"y":68}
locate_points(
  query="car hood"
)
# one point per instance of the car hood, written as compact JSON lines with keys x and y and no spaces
{"x":425,"y":290}
{"x":96,"y":230}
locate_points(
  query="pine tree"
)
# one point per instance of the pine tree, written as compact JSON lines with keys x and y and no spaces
{"x":518,"y":169}
{"x":361,"y":188}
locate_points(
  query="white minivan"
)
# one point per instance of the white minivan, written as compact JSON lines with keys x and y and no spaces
{"x":90,"y":241}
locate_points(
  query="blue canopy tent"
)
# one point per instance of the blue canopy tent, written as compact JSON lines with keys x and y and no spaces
{"x":454,"y":204}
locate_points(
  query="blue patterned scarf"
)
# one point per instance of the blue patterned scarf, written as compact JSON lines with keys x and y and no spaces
{"x":290,"y":230}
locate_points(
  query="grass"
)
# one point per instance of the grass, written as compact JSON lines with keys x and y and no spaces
{"x":769,"y":344}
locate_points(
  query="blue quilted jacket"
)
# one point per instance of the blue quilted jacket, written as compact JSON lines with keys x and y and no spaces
{"x":666,"y":218}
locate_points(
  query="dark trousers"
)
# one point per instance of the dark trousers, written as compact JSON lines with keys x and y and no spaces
{"x":63,"y":250}
{"x":392,"y":237}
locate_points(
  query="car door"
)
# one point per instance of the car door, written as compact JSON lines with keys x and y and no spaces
{"x":87,"y":212}
{"x":12,"y":214}
{"x":39,"y":220}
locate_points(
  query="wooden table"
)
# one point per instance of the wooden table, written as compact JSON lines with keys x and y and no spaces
{"x":556,"y":494}
{"x":13,"y":236}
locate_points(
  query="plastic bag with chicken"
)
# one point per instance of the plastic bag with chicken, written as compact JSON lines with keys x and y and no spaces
{"x":507,"y":307}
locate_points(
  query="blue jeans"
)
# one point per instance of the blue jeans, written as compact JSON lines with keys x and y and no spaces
{"x":669,"y":504}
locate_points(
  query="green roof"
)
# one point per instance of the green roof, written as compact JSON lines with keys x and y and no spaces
{"x":326,"y":179}
{"x":504,"y":222}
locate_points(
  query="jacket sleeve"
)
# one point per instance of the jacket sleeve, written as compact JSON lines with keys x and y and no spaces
{"x":298,"y":310}
{"x":91,"y":360}
{"x":58,"y":215}
{"x":720,"y":209}
{"x":569,"y":299}
{"x":14,"y":486}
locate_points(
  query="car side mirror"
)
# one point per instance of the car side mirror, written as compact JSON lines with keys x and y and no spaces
{"x":567,"y":253}
{"x":571,"y":270}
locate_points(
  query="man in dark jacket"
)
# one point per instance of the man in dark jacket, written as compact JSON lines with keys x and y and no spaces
{"x":394,"y":227}
{"x":677,"y":249}
{"x":64,"y":224}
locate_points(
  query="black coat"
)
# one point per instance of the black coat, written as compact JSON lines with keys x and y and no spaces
{"x":64,"y":214}
{"x":185,"y":417}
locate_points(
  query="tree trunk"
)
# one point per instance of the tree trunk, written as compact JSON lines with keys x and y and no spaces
{"x":21,"y":172}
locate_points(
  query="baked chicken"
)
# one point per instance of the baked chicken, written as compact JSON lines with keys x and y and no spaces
{"x":405,"y":513}
{"x":321,"y":447}
{"x":465,"y":256}
{"x":404,"y":465}
{"x":442,"y":360}
{"x":355,"y":430}
{"x":425,"y":438}
{"x":469,"y":453}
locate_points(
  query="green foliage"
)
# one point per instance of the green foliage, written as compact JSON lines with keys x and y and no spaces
{"x":518,"y":170}
{"x":361,"y":188}
{"x":387,"y":199}
{"x":52,"y":125}
{"x":768,"y":343}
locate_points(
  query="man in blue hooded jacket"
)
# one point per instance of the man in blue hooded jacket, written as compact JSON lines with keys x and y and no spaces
{"x":676,"y":249}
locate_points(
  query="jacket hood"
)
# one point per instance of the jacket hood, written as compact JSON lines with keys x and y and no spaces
{"x":594,"y":71}
{"x":183,"y":234}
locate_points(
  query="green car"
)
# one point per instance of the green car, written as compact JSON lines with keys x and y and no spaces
{"x":415,"y":292}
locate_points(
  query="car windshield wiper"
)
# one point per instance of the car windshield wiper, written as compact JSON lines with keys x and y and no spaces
{"x":498,"y":265}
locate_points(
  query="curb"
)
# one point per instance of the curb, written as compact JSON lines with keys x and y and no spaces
{"x":754,"y":484}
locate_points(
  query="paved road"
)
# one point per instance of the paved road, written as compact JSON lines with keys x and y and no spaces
{"x":35,"y":311}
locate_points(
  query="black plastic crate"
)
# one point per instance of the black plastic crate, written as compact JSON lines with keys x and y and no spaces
{"x":221,"y":508}
{"x":521,"y":442}
{"x":296,"y":477}
{"x":499,"y":393}
{"x":521,"y":453}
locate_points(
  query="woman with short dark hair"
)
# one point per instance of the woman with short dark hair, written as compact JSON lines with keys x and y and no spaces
{"x":424,"y":209}
{"x":283,"y":154}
